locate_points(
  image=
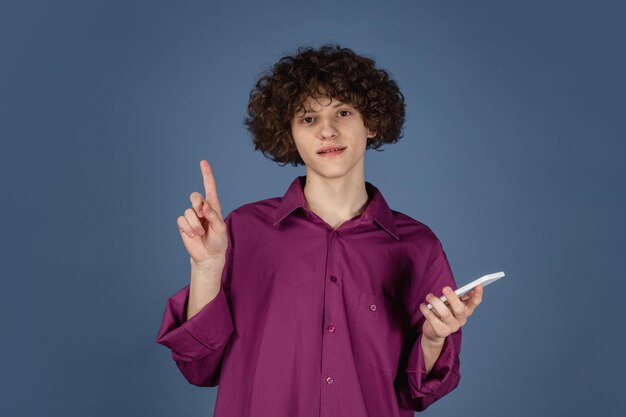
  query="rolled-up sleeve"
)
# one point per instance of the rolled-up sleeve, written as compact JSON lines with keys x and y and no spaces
{"x":197,"y":344}
{"x":423,"y":389}
{"x":443,"y":377}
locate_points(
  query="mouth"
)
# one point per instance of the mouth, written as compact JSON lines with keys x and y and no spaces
{"x":332,"y":151}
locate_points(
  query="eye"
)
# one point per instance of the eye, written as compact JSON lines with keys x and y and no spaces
{"x":307,"y":120}
{"x":344,"y":113}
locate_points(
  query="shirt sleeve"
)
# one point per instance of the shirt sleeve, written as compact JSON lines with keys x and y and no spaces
{"x":198,"y":344}
{"x":422,"y":389}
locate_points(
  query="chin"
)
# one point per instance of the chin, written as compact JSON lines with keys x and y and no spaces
{"x":330,"y":173}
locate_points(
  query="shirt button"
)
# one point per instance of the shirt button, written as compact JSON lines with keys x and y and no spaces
{"x":331,"y":328}
{"x":373,"y":307}
{"x":333,"y":278}
{"x":329,"y":380}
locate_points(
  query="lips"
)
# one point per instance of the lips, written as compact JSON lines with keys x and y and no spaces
{"x":331,"y":150}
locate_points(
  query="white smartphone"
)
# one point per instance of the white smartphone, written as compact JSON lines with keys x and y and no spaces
{"x":485,"y":280}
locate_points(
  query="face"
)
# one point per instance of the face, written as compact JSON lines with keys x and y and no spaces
{"x":327,"y":123}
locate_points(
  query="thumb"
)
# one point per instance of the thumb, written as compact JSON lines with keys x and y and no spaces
{"x":215,"y":221}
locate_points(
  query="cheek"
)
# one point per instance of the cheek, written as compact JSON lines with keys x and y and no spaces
{"x":295,"y":139}
{"x":301,"y":148}
{"x":295,"y":134}
{"x":363,"y":144}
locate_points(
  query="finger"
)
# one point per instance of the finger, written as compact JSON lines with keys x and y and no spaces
{"x":475,"y":300}
{"x":466,"y":296}
{"x":456,"y":305}
{"x":215,"y":220}
{"x":210,"y":187}
{"x":441,"y":309}
{"x":194,"y":222}
{"x":196,"y":203}
{"x":441,"y":330}
{"x":429,"y":314}
{"x":184,"y":227}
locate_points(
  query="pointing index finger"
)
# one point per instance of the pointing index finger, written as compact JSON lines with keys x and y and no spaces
{"x":210,"y":187}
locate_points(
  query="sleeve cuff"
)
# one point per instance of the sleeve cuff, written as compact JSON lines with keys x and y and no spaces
{"x":445,"y":373}
{"x":206,"y":331}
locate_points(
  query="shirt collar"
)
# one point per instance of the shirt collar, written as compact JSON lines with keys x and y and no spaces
{"x":377,"y":208}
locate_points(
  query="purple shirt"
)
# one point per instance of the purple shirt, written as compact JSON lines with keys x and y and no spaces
{"x":311,"y":321}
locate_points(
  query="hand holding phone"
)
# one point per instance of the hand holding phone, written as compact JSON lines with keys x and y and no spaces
{"x":466,"y":289}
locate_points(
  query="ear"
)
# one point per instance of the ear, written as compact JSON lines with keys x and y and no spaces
{"x":371,"y":133}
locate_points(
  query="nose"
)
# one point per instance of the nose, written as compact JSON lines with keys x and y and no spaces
{"x":328,"y":129}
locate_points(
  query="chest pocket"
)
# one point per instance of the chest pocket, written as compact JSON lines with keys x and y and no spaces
{"x":378,"y":333}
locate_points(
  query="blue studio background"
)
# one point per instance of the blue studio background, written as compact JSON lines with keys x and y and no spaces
{"x":513,"y":153}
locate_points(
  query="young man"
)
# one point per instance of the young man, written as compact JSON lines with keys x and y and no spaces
{"x":314,"y":303}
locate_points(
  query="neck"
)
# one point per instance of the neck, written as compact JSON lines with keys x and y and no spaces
{"x":336,"y":199}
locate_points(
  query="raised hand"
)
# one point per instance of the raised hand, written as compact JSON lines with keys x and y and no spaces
{"x":202,"y":227}
{"x":446,"y":318}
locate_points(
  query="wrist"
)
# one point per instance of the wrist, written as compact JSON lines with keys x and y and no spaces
{"x":208,"y":264}
{"x":436,"y":342}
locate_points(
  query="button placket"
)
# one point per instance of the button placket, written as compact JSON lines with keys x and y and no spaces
{"x":331,"y":295}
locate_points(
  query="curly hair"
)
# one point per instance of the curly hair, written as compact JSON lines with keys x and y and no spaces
{"x":330,"y":71}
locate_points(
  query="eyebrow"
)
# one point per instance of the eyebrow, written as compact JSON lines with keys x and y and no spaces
{"x":339,"y":104}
